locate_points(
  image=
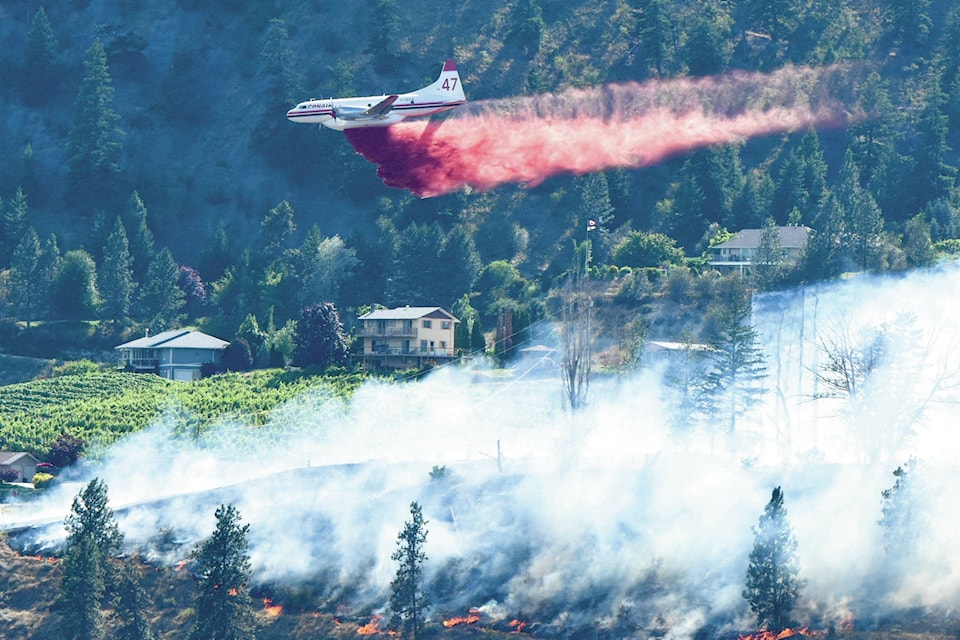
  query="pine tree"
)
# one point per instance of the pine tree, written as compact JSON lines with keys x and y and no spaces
{"x":24,"y":273}
{"x":773,"y":577}
{"x":223,"y":603}
{"x":735,"y":382}
{"x":92,"y":539}
{"x":161,"y":299}
{"x":40,"y":63}
{"x":768,"y":262}
{"x":407,"y":598}
{"x":901,"y":519}
{"x":116,"y":276}
{"x":48,"y":270}
{"x":92,"y":149}
{"x":14,"y":225}
{"x":139,"y":237}
{"x":133,"y":608}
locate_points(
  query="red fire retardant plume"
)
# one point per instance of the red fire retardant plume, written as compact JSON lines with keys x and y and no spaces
{"x":632,"y":125}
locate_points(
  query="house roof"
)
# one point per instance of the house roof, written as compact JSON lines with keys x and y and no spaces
{"x":408,"y":313}
{"x":176,"y":339}
{"x":9,"y":457}
{"x":792,"y":237}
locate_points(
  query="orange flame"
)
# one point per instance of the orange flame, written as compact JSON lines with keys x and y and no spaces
{"x":180,"y":565}
{"x":232,"y":591}
{"x":472,"y":617}
{"x":371,"y":627}
{"x":786,"y":633}
{"x":272,"y":610}
{"x":517,"y":625}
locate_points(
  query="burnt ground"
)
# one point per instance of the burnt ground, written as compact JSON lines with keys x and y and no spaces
{"x":29,"y":586}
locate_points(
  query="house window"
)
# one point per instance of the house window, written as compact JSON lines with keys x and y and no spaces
{"x":427,"y":324}
{"x":445,"y":324}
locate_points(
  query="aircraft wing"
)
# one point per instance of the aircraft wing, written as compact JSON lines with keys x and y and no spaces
{"x":375,"y":112}
{"x":381,"y":107}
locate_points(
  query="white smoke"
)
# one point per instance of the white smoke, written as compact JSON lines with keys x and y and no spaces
{"x":601,"y":517}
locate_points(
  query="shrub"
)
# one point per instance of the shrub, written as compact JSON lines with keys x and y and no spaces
{"x":9,"y":474}
{"x":43,"y":480}
{"x":75,"y":368}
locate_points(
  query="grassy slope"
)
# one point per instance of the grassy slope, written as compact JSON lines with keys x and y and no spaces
{"x":15,"y":369}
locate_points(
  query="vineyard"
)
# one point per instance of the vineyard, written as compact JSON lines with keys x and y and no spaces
{"x":101,"y":407}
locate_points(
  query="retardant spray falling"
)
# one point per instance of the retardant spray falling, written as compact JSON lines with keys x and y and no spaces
{"x":630,"y":125}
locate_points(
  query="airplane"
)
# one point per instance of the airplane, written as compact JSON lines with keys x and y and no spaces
{"x":383,"y":111}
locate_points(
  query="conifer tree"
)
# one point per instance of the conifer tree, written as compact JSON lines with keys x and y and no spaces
{"x":407,"y":598}
{"x":223,"y":603}
{"x":133,"y":607}
{"x":735,"y":382}
{"x":92,"y":149}
{"x":773,"y":577}
{"x":92,"y":539}
{"x":116,"y":276}
{"x":320,"y":339}
{"x":40,"y":63}
{"x":23,"y":277}
{"x":139,"y":237}
{"x":161,"y":299}
{"x":48,"y":270}
{"x":14,"y":225}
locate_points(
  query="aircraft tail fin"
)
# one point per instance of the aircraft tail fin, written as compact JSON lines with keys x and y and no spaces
{"x":448,"y":84}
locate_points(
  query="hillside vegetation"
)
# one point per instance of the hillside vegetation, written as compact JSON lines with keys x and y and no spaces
{"x":150,"y":172}
{"x":101,"y":407}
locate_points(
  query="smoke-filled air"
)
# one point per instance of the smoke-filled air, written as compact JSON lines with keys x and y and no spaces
{"x":618,"y":516}
{"x":526,"y":140}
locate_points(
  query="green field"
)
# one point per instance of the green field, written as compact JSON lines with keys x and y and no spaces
{"x":101,"y":407}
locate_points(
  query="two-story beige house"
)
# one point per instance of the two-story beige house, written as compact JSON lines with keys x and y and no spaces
{"x":737,"y":254}
{"x":178,"y":355}
{"x":406,"y":337}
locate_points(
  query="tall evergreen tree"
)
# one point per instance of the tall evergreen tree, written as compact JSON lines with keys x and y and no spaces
{"x":161,"y":298}
{"x":417,"y":264}
{"x":40,"y":61}
{"x":48,"y":271}
{"x":92,"y":539}
{"x":81,"y":592}
{"x":459,"y":254}
{"x":133,"y":608}
{"x":773,"y":577}
{"x":23,"y":277}
{"x":116,"y":276}
{"x":768,"y":262}
{"x":735,"y":382}
{"x":14,"y":225}
{"x":407,"y":598}
{"x":902,"y":520}
{"x":139,"y":237}
{"x":223,"y":603}
{"x":92,"y":149}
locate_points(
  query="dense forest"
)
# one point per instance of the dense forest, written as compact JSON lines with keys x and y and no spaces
{"x":149,"y":178}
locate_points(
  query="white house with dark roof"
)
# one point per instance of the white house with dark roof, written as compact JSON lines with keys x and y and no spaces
{"x":24,"y":463}
{"x":407,"y":337}
{"x":177,"y":355}
{"x":737,"y":253}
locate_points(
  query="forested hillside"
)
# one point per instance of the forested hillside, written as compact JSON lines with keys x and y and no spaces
{"x":149,"y":177}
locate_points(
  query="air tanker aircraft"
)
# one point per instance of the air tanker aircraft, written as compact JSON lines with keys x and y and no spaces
{"x":383,"y":111}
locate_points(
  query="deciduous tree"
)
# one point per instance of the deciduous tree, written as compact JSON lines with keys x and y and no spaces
{"x":320,"y":339}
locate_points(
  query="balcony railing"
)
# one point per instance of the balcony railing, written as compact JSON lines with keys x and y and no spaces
{"x":387,"y":332}
{"x":140,"y":363}
{"x":414,"y":353}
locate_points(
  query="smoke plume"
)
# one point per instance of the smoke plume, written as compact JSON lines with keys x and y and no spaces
{"x":610,"y":518}
{"x":630,"y":125}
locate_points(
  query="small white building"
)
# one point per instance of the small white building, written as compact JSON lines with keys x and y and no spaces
{"x":176,"y":355}
{"x":24,"y":463}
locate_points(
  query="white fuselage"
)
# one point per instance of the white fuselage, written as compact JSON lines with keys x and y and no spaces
{"x":324,"y":112}
{"x":382,"y":111}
